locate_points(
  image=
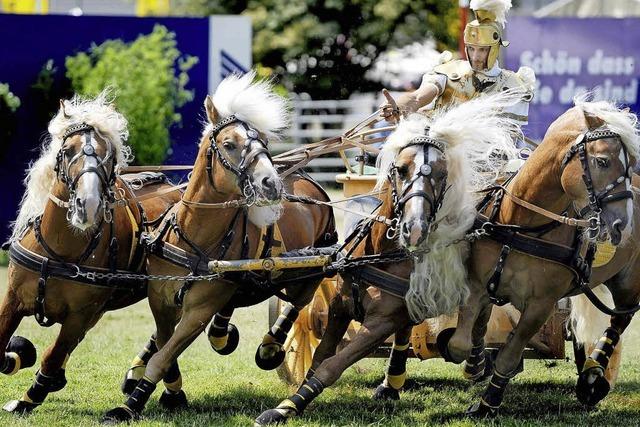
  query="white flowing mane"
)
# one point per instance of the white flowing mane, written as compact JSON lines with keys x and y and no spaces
{"x":98,"y":112}
{"x":253,"y":102}
{"x":471,"y":132}
{"x":622,"y":122}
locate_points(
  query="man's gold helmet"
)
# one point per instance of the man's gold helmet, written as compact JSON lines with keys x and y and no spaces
{"x":486,"y":29}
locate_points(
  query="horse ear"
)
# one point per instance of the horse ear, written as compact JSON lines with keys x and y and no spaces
{"x":593,"y":122}
{"x":212,"y":113}
{"x":62,"y":108}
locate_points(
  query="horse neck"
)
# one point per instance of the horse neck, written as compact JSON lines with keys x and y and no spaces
{"x":204,"y":227}
{"x":378,"y":237}
{"x":538,"y":182}
{"x":56,"y":231}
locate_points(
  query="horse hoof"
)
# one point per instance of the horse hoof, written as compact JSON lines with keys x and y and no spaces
{"x":131,"y":379}
{"x":480,"y":410}
{"x":272,"y":416}
{"x":23,"y":348}
{"x":271,"y":362}
{"x":233,"y":338}
{"x":591,"y":394}
{"x":19,"y":407}
{"x":442,"y":342}
{"x":386,"y":393}
{"x":173,"y":401}
{"x":118,"y":415}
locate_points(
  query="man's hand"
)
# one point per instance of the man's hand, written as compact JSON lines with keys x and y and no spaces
{"x":390,"y":110}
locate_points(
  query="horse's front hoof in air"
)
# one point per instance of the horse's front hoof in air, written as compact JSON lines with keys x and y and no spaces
{"x":269,"y":356}
{"x":19,"y":407}
{"x":592,"y":386}
{"x":173,"y":401}
{"x":384,"y":392}
{"x":121,"y":414}
{"x":227,"y":344}
{"x":480,"y":410}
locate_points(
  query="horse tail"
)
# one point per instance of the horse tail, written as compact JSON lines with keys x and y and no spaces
{"x":589,"y":323}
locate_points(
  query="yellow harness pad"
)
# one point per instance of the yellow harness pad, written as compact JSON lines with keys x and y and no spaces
{"x":134,"y":238}
{"x":277,"y":242}
{"x":604,"y":254}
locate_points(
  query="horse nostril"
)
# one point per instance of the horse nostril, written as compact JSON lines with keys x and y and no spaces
{"x":617,"y":225}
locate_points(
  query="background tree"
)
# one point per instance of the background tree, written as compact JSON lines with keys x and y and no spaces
{"x":148,"y":76}
{"x":325,"y":47}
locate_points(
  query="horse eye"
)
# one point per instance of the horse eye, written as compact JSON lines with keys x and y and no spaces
{"x":602,"y":162}
{"x":229,"y":145}
{"x":402,"y":171}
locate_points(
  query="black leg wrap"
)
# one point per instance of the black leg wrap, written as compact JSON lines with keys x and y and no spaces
{"x":492,"y":398}
{"x":396,"y":374}
{"x":136,"y":372}
{"x":149,"y":350}
{"x":45,"y":384}
{"x":26,"y":355}
{"x":479,"y":366}
{"x":140,"y":395}
{"x":442,"y":342}
{"x":230,"y":336}
{"x":592,"y":385}
{"x":292,"y":406}
{"x":283,"y":324}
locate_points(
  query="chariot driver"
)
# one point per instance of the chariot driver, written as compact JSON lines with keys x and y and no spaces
{"x":456,"y":81}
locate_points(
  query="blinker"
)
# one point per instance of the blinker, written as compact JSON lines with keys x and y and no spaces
{"x":425,"y":170}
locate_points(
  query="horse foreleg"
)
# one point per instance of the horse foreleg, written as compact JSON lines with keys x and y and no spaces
{"x":508,"y":360}
{"x":455,"y":344}
{"x":51,"y":375}
{"x":479,"y":366}
{"x":270,"y":353}
{"x":338,"y":321}
{"x":396,"y":372}
{"x":19,"y":352}
{"x":223,"y":335}
{"x":371,"y":334}
{"x":200,"y":304}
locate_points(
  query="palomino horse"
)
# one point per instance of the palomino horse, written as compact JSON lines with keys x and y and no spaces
{"x":233,"y":169}
{"x":428,"y":169}
{"x":582,"y":169}
{"x":76,"y":212}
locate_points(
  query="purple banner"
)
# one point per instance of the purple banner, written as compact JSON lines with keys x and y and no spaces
{"x":571,"y":55}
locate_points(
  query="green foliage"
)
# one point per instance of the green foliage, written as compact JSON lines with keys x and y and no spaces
{"x":149,"y":77}
{"x":325,"y":47}
{"x":9,"y":100}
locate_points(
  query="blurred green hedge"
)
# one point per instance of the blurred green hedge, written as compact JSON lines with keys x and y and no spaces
{"x":149,"y":76}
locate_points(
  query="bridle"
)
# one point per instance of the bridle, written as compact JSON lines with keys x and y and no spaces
{"x":401,"y":198}
{"x":597,"y":200}
{"x":248,"y":156}
{"x":106,"y":174}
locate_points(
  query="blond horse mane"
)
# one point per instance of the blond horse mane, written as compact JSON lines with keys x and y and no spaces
{"x":98,"y":112}
{"x":621,"y":121}
{"x":471,"y":133}
{"x":252,"y":101}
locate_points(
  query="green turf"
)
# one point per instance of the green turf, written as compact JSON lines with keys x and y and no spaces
{"x":232,"y":390}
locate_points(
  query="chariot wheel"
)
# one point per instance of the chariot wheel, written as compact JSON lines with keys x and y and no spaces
{"x":305,"y":334}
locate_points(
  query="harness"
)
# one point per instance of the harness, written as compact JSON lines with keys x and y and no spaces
{"x":361,"y":271}
{"x":196,"y":259}
{"x":54,"y":265}
{"x":513,"y":237}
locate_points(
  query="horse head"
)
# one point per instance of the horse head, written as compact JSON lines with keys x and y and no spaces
{"x":596,"y":171}
{"x":242,"y":151}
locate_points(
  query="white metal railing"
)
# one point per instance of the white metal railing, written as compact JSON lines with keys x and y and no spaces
{"x":314,"y":120}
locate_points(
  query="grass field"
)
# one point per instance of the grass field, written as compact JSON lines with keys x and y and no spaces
{"x":233,"y":391}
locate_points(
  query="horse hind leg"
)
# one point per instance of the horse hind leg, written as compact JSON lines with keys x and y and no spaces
{"x":599,"y":370}
{"x":223,"y":336}
{"x":270,"y":353}
{"x":138,"y":365}
{"x":479,"y":365}
{"x":396,"y":372}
